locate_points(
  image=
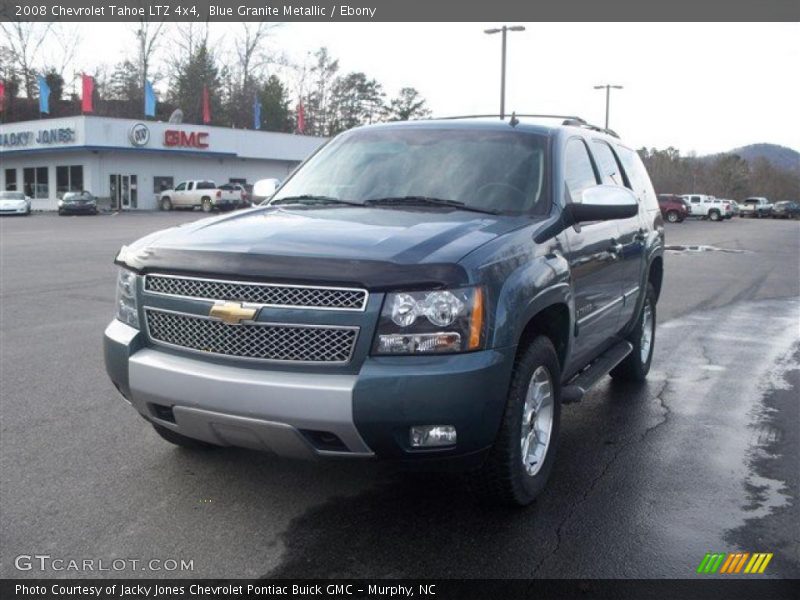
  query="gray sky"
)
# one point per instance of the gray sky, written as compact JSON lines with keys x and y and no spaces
{"x":703,"y":87}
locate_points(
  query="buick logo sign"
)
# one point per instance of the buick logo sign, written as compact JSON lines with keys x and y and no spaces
{"x":139,"y":134}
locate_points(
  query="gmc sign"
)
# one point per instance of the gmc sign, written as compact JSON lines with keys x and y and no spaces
{"x":195,"y":139}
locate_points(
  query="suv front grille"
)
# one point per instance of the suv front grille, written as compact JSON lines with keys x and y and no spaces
{"x":266,"y":294}
{"x":260,"y":341}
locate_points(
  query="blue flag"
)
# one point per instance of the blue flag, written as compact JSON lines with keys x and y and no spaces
{"x":256,"y":113}
{"x":149,"y":100}
{"x":44,"y":96}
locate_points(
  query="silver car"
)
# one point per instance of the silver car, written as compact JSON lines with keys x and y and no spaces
{"x":14,"y":203}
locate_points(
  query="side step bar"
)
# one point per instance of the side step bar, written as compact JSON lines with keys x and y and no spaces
{"x":599,"y":368}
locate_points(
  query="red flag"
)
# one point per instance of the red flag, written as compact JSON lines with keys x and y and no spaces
{"x":206,"y":106}
{"x":301,"y":118}
{"x":87,"y":85}
{"x":2,"y":96}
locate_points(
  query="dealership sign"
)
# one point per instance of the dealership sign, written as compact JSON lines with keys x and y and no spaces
{"x":139,"y":135}
{"x":174,"y":138}
{"x":43,"y":137}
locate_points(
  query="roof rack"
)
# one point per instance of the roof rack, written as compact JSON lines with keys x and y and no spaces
{"x":568,"y":120}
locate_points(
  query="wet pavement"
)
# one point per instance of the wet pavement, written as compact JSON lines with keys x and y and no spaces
{"x":703,"y":457}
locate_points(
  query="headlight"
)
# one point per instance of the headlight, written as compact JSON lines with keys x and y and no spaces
{"x":127,"y":310}
{"x":61,"y":203}
{"x":442,"y":321}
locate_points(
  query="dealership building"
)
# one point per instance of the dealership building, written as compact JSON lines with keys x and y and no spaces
{"x":128,"y":162}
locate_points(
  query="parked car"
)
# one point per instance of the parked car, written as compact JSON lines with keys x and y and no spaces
{"x":198,"y":193}
{"x":77,"y":203}
{"x":786,"y":210}
{"x":734,"y":207}
{"x":673,"y":208}
{"x":14,"y":203}
{"x":757,"y":207}
{"x":708,"y":207}
{"x":382,"y":306}
{"x":238,"y":191}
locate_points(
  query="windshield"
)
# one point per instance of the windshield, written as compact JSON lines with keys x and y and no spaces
{"x":12,"y":196}
{"x":482,"y":169}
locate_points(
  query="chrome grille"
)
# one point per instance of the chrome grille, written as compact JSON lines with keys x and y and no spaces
{"x":262,"y":341}
{"x":266,"y":294}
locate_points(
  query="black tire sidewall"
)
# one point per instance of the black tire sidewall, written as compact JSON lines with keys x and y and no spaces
{"x":524,"y":486}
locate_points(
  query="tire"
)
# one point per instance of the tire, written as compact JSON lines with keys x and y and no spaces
{"x":166,"y":204}
{"x":714,"y":215}
{"x":673,"y":216}
{"x":503,"y":478}
{"x":206,"y":205}
{"x":181,"y":440}
{"x":636,"y":365}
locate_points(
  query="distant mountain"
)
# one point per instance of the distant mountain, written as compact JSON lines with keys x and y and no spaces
{"x":781,"y":157}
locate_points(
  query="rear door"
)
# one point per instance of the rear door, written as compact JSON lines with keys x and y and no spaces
{"x":594,"y":263}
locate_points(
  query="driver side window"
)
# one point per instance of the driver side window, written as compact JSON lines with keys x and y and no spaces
{"x":579,"y":172}
{"x":181,"y":187}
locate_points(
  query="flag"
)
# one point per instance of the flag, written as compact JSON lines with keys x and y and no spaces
{"x":149,"y":100}
{"x":256,"y":113}
{"x":301,"y":118}
{"x":2,"y":96}
{"x":87,"y":97}
{"x":44,"y":96}
{"x":206,"y":106}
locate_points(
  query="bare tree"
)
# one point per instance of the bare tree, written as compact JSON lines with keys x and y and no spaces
{"x":25,"y":40}
{"x":147,"y":36}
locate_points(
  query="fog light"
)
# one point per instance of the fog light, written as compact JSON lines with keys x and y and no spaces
{"x":426,"y":436}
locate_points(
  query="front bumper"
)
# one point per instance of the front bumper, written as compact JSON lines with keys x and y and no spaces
{"x":289,"y":412}
{"x":17,"y":210}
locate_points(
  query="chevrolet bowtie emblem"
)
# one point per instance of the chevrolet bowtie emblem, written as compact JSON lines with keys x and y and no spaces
{"x":232,"y":313}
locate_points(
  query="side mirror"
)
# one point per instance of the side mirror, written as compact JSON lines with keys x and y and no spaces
{"x":603,"y":203}
{"x":264,"y":188}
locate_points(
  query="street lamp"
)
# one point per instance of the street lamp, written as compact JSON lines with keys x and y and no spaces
{"x":608,"y":89}
{"x":503,"y":30}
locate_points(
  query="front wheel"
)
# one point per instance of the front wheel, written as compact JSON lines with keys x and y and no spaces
{"x":714,"y":215}
{"x":673,"y":216}
{"x":519,"y":463}
{"x":636,"y":365}
{"x":166,"y":204}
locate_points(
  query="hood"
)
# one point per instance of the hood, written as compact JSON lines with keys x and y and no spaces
{"x":12,"y":203}
{"x":336,"y":244}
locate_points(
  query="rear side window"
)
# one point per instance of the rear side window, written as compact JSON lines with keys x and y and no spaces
{"x":607,"y":163}
{"x":638,"y":180}
{"x":578,"y":169}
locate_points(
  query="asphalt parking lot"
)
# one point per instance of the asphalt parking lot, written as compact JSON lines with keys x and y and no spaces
{"x":704,"y":457}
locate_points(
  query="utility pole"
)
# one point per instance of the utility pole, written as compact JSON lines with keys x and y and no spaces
{"x":608,"y":89}
{"x":503,"y":30}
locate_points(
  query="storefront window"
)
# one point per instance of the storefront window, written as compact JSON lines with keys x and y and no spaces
{"x":42,"y":184}
{"x":35,"y":182}
{"x":162,"y":183}
{"x":69,"y":179}
{"x":11,"y":180}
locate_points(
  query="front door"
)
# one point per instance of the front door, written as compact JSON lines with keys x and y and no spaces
{"x":593,"y":251}
{"x":123,"y":191}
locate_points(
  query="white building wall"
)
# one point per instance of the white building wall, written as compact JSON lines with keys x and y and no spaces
{"x":103,"y":147}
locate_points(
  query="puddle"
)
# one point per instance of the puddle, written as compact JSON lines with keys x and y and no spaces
{"x":702,"y":248}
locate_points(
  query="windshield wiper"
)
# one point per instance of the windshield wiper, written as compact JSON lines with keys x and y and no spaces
{"x":426,"y":201}
{"x":310,"y":199}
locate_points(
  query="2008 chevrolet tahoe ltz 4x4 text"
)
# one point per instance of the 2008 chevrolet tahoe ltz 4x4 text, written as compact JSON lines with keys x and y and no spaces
{"x":428,"y":292}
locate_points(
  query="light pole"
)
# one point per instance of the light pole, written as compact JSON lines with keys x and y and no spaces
{"x":503,"y":30}
{"x":608,"y":89}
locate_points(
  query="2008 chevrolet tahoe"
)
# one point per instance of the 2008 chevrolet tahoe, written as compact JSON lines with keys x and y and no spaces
{"x":428,"y":292}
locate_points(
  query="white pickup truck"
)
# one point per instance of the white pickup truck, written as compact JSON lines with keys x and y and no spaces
{"x":199,"y":192}
{"x":755,"y":207}
{"x":708,"y":207}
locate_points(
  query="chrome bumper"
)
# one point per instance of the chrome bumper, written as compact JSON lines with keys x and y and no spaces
{"x":233,"y":406}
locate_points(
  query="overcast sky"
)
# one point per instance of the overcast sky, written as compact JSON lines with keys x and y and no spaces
{"x":704,"y":87}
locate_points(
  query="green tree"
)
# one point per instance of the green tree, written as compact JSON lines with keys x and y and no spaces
{"x":275,"y":112}
{"x":56,"y":84}
{"x":199,"y":70}
{"x":355,"y":100}
{"x":408,"y":104}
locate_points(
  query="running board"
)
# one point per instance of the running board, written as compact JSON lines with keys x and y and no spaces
{"x":599,"y":368}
